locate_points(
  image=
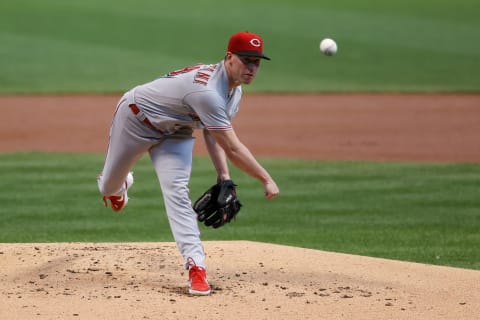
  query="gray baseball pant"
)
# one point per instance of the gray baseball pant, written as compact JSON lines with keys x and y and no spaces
{"x":171,"y":156}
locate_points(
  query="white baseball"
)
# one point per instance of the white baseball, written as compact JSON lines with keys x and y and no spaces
{"x":328,"y":47}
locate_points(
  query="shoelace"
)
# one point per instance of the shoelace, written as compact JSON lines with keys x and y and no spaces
{"x":190,"y":263}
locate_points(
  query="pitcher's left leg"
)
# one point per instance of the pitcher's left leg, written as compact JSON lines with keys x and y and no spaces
{"x":172,"y":160}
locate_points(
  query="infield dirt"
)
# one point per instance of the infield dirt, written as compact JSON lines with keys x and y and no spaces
{"x":250,"y":280}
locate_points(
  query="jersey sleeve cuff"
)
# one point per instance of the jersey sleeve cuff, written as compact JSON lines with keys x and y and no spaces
{"x":222,"y":128}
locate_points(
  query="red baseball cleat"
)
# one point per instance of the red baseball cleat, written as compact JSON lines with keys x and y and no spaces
{"x":198,"y":284}
{"x":119,"y":202}
{"x":197,"y":280}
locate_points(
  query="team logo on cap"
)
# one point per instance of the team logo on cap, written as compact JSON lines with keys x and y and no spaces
{"x":255,"y":42}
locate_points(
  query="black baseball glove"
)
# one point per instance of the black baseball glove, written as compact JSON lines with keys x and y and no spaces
{"x":218,"y":205}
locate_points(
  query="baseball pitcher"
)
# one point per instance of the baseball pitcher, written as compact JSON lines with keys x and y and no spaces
{"x":159,"y":117}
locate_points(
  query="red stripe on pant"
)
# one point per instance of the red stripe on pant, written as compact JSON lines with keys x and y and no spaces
{"x":136,"y":111}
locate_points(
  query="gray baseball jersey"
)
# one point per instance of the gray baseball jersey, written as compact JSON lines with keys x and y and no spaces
{"x":195,"y":97}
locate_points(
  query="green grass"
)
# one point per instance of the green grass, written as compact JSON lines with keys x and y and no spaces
{"x":92,"y":46}
{"x":409,"y":211}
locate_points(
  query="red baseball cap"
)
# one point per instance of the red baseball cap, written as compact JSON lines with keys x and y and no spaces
{"x":246,"y":44}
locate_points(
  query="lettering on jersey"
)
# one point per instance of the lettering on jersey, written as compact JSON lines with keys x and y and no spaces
{"x":184,"y":70}
{"x":203,"y":75}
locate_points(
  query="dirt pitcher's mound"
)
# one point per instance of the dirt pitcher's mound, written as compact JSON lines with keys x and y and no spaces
{"x":250,"y":281}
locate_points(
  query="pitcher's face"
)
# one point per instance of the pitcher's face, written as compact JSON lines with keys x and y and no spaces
{"x":242,"y":69}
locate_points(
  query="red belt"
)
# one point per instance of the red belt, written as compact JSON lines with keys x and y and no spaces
{"x":145,"y":120}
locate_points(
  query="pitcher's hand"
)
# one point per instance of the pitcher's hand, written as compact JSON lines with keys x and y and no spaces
{"x":271,"y":190}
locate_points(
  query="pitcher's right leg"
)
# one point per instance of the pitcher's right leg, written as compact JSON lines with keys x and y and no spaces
{"x":126,"y":145}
